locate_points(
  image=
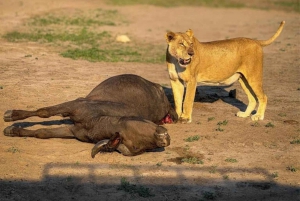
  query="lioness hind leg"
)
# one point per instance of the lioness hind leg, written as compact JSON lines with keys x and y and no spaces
{"x":262,"y":101}
{"x":254,"y":91}
{"x":251,"y":98}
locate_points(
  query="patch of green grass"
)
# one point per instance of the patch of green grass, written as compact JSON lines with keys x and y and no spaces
{"x":296,"y":141}
{"x":275,"y":174}
{"x":174,"y":3}
{"x":222,"y":123}
{"x":209,"y":195}
{"x":270,"y":125}
{"x":290,"y":4}
{"x":210,"y":118}
{"x":291,"y":168}
{"x":282,"y":114}
{"x":231,"y":160}
{"x":225,"y":177}
{"x":134,"y":189}
{"x":113,"y":54}
{"x":213,"y":169}
{"x":219,"y":129}
{"x":69,"y":179}
{"x":186,"y":148}
{"x":98,"y":17}
{"x":285,"y":5}
{"x":192,"y":160}
{"x":13,"y":150}
{"x":255,"y":124}
{"x":80,"y":40}
{"x":192,"y":138}
{"x":96,"y":54}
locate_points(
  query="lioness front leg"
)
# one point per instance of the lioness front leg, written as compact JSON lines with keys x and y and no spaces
{"x":186,"y":116}
{"x":178,"y":90}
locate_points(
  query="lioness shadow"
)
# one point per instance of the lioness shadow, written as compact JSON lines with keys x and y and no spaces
{"x":208,"y":94}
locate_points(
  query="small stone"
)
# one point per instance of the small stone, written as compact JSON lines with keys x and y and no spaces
{"x":122,"y":39}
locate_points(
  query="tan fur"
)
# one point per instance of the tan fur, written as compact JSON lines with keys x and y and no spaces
{"x":216,"y":63}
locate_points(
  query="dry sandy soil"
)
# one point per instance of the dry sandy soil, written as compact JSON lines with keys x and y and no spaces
{"x":267,"y":167}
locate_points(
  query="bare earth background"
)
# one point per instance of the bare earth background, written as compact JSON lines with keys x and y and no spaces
{"x":267,"y":167}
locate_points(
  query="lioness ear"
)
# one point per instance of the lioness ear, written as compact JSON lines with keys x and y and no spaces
{"x":190,"y":33}
{"x":170,"y":36}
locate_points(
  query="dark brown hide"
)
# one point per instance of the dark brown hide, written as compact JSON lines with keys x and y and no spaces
{"x":124,"y":105}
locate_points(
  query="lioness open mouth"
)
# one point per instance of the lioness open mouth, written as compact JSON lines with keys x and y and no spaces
{"x":184,"y":62}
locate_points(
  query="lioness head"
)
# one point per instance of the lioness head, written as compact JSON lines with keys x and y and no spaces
{"x":181,"y":46}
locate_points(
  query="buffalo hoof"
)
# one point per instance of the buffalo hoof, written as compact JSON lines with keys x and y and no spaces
{"x":8,"y":116}
{"x":98,"y":147}
{"x":9,"y":131}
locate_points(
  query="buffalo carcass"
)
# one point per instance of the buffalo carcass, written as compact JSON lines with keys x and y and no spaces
{"x":118,"y":114}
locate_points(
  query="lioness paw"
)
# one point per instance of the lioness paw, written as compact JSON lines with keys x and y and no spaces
{"x":242,"y":114}
{"x":184,"y":120}
{"x":257,"y":117}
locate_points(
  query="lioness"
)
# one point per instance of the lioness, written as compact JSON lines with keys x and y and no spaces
{"x":216,"y":63}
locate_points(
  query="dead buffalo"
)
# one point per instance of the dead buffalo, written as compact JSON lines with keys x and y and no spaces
{"x":117,"y":115}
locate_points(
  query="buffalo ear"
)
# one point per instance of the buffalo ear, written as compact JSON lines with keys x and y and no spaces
{"x":190,"y":33}
{"x":170,"y":36}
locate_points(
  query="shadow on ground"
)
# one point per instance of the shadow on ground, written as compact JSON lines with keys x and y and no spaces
{"x":96,"y":182}
{"x":208,"y":94}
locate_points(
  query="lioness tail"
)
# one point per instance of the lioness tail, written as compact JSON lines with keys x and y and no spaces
{"x":270,"y":40}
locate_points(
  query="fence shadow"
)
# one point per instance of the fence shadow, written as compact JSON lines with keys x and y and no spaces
{"x":63,"y":181}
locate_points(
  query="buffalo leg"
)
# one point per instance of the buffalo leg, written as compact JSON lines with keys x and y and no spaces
{"x":43,"y":133}
{"x":65,"y":109}
{"x":107,"y":145}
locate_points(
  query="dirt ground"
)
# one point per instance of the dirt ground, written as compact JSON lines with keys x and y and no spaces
{"x":266,"y":165}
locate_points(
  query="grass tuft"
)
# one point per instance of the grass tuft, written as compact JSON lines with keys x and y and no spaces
{"x":175,"y":3}
{"x":291,"y":168}
{"x":231,"y":160}
{"x":192,"y":138}
{"x":270,"y":125}
{"x":192,"y":160}
{"x":81,"y":40}
{"x":297,"y":141}
{"x":134,"y":189}
{"x":13,"y":150}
